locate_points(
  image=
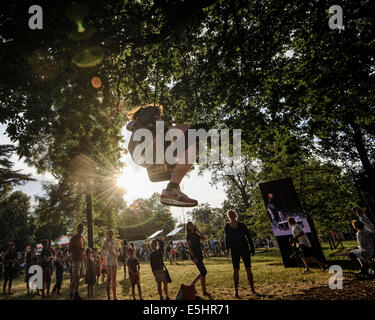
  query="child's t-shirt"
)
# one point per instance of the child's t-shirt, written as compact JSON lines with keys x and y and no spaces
{"x":133,"y":265}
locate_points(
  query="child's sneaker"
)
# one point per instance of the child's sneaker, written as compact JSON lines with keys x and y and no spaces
{"x":177,"y":198}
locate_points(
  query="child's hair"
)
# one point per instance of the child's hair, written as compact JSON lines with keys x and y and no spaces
{"x":133,"y":114}
{"x":187,"y":230}
{"x":154,"y":244}
{"x":88,"y":251}
{"x":131,"y":251}
{"x":231,"y":213}
{"x":45,"y":242}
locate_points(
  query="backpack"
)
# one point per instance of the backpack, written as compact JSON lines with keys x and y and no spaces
{"x":186,"y":292}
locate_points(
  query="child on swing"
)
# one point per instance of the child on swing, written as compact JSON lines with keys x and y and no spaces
{"x":145,"y":117}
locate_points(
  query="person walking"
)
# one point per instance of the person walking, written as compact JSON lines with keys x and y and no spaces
{"x":193,"y":238}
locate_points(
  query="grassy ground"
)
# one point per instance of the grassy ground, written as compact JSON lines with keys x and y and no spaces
{"x":271,"y":279}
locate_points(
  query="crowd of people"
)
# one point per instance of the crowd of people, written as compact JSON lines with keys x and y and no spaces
{"x":102,"y":264}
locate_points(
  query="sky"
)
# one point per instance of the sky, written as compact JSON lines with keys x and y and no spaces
{"x":134,"y":180}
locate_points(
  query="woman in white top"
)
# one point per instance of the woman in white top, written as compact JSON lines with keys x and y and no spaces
{"x":112,"y":253}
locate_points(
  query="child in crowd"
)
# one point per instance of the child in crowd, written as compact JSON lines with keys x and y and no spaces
{"x":102,"y":266}
{"x":45,"y":261}
{"x":31,"y":258}
{"x":90,"y":273}
{"x":59,"y":266}
{"x":97,"y":264}
{"x":156,"y":262}
{"x":134,"y":267}
{"x":173,"y":253}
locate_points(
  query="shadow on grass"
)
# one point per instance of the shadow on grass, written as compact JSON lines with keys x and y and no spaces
{"x":125,"y":284}
{"x":345,"y":264}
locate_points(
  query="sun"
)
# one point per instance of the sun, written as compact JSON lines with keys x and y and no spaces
{"x":122,"y":181}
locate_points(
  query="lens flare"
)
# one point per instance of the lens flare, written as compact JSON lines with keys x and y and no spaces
{"x":88,"y":57}
{"x":44,"y":65}
{"x":96,"y":82}
{"x":78,"y":36}
{"x":80,"y":26}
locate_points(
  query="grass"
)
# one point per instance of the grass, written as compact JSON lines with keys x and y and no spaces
{"x":271,"y":279}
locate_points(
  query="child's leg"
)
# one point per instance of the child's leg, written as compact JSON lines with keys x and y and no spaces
{"x":44,"y":288}
{"x":139,"y":289}
{"x":165,"y":285}
{"x":10,"y":284}
{"x":108,"y":285}
{"x":133,"y":291}
{"x":159,"y":289}
{"x":48,"y":287}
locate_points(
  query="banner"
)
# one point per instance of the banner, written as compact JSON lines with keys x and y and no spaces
{"x":281,"y":201}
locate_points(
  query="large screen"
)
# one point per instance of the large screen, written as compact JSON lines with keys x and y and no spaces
{"x":281,"y":201}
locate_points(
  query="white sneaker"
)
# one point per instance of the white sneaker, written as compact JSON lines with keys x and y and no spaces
{"x":176,"y":198}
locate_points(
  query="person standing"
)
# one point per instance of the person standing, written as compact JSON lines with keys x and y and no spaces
{"x":90,"y":277}
{"x":103,"y":270}
{"x":124,"y":255}
{"x":10,"y":267}
{"x":238,"y":240}
{"x":77,"y":251}
{"x":59,"y":267}
{"x":1,"y":264}
{"x":157,"y":264}
{"x":45,"y":261}
{"x":97,"y":264}
{"x":31,"y":258}
{"x":112,"y":254}
{"x":134,"y":267}
{"x":304,"y":242}
{"x":193,"y":238}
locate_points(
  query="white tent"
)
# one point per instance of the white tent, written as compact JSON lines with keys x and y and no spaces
{"x":174,"y":232}
{"x":155,"y":234}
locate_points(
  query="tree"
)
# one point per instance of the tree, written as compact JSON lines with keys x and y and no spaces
{"x":144,"y":217}
{"x":16,"y":222}
{"x":9,"y":177}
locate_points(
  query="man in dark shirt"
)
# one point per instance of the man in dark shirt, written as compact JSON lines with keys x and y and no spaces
{"x":45,"y":261}
{"x":238,"y":240}
{"x":77,"y":251}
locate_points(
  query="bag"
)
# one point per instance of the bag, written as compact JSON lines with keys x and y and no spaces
{"x":167,"y":276}
{"x":186,"y":292}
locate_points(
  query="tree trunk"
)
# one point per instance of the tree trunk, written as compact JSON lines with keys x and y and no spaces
{"x":90,"y":229}
{"x":368,"y":179}
{"x":362,"y":152}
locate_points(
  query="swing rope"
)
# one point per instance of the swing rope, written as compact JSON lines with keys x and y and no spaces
{"x":156,"y":79}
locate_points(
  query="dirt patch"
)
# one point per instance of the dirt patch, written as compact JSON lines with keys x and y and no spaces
{"x":354,"y":288}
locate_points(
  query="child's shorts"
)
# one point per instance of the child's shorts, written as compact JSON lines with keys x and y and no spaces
{"x":160,"y":276}
{"x":134,"y":278}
